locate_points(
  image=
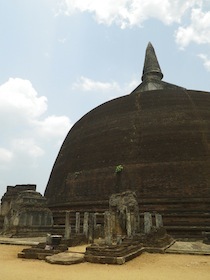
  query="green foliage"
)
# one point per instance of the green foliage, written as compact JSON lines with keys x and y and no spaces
{"x":118,"y":169}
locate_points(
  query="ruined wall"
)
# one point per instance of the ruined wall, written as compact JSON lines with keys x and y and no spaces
{"x":11,"y":194}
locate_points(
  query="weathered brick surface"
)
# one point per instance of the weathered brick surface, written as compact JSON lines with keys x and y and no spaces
{"x":160,"y":137}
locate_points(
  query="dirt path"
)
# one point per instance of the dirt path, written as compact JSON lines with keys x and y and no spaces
{"x":145,"y":267}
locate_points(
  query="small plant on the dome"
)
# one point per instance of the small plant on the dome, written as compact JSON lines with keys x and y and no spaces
{"x":118,"y":169}
{"x":76,"y":174}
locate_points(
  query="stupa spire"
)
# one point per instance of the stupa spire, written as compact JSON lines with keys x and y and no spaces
{"x":151,"y":68}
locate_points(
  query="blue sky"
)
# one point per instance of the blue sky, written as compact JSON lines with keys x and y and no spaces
{"x":60,"y":59}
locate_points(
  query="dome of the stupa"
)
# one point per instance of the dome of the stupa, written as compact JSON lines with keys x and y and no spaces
{"x":154,"y":141}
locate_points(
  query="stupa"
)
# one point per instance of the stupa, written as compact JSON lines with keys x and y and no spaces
{"x":154,"y":141}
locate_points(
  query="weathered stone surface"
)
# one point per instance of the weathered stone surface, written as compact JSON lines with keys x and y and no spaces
{"x":11,"y":194}
{"x":65,"y":258}
{"x":193,"y":248}
{"x":28,"y":215}
{"x":123,"y":201}
{"x":125,"y":213}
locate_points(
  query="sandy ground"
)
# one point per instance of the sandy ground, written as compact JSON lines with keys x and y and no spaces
{"x":145,"y":267}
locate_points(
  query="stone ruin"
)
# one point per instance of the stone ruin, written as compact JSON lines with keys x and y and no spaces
{"x":124,"y":234}
{"x":11,"y":194}
{"x":124,"y":209}
{"x":24,"y":212}
{"x":53,"y":245}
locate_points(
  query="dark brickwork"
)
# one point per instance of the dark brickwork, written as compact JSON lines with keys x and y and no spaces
{"x":160,"y":136}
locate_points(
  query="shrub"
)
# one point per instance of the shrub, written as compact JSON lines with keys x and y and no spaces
{"x":119,"y":168}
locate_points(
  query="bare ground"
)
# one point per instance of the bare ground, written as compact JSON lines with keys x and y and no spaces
{"x":145,"y":267}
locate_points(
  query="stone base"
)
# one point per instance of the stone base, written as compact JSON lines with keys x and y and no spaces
{"x":155,"y":242}
{"x":112,"y":254}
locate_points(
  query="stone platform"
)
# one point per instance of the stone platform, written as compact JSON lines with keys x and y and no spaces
{"x":24,"y":241}
{"x":192,"y":248}
{"x":155,"y":242}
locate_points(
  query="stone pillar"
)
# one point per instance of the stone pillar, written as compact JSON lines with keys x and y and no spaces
{"x":134,"y":222}
{"x":128,"y":223}
{"x":31,"y":220}
{"x":94,"y":220}
{"x":147,"y":222}
{"x":25,"y":219}
{"x":77,"y":225}
{"x":45,"y":218}
{"x":114,"y":225}
{"x":85,"y":224}
{"x":67,"y":225}
{"x":40,"y":220}
{"x":91,"y":228}
{"x":108,"y":227}
{"x":138,"y":225}
{"x":158,"y":220}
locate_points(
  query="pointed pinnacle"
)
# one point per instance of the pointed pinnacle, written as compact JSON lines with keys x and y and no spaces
{"x":151,"y":66}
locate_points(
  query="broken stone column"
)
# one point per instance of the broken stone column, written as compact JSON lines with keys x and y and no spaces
{"x":85,"y":224}
{"x":125,"y":207}
{"x":108,"y":227}
{"x":77,"y":225}
{"x":67,"y":225}
{"x":147,"y":222}
{"x":158,"y":220}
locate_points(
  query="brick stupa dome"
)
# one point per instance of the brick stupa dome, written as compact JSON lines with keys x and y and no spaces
{"x":159,"y":134}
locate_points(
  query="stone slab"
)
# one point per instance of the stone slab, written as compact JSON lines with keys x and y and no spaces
{"x":192,"y":248}
{"x":26,"y":241}
{"x":65,"y":258}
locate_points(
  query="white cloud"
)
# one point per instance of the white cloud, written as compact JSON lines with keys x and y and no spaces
{"x":19,"y":98}
{"x":191,"y":18}
{"x":53,"y":126}
{"x":62,"y":40}
{"x":112,"y":89}
{"x":127,"y":13}
{"x":206,"y":61}
{"x":27,"y":147}
{"x":5,"y":156}
{"x":25,"y":133}
{"x":86,"y":84}
{"x":198,"y":31}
